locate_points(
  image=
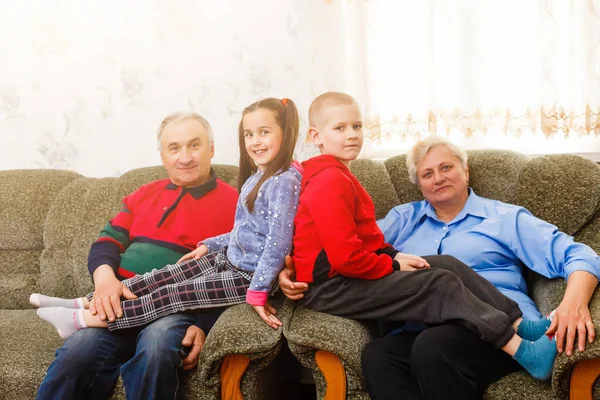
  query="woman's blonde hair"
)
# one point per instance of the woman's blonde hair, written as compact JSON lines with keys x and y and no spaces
{"x":421,"y":148}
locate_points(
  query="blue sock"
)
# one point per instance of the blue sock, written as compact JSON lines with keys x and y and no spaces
{"x":537,"y":357}
{"x":530,"y":329}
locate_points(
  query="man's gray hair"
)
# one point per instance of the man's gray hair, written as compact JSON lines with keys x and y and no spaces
{"x":421,"y":148}
{"x":181,"y":116}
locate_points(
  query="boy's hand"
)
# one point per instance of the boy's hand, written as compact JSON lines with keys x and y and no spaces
{"x":267,"y":313}
{"x":292,"y":290}
{"x":409,"y":262}
{"x":196,"y":254}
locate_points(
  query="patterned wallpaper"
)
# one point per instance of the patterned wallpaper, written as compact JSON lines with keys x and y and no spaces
{"x":85,"y":84}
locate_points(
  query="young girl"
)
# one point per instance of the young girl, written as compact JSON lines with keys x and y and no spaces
{"x":231,"y":268}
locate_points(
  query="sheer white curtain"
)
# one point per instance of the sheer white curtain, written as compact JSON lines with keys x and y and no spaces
{"x":506,"y":74}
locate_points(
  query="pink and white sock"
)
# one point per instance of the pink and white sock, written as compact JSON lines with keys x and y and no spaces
{"x":66,"y":320}
{"x":39,"y":300}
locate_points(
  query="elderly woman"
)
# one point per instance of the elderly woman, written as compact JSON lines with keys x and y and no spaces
{"x":497,"y":240}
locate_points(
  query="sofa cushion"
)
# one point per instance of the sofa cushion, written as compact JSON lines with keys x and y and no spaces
{"x":377,"y":182}
{"x":27,"y":347}
{"x":561,"y":189}
{"x":519,"y":385}
{"x":310,"y":331}
{"x":239,"y":330}
{"x":495,"y":173}
{"x":25,"y":196}
{"x":405,"y":189}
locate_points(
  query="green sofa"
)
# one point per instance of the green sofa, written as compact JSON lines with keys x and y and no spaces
{"x":49,"y":218}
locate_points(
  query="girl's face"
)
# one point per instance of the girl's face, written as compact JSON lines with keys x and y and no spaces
{"x":263,"y":136}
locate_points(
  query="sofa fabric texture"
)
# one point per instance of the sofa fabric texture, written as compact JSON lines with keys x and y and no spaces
{"x":49,"y":218}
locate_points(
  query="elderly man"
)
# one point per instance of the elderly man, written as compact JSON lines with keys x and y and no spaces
{"x":157,"y":224}
{"x":497,"y":240}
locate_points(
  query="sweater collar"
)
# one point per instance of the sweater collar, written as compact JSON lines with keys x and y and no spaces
{"x":200,"y":190}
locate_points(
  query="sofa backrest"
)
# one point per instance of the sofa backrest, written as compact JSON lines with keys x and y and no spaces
{"x":75,"y":219}
{"x":25,"y":197}
{"x":561,"y":189}
{"x":49,"y":218}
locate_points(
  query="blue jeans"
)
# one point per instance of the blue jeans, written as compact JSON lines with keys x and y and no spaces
{"x":148,"y":359}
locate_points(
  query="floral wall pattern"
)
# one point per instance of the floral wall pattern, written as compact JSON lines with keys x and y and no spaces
{"x":84,"y":85}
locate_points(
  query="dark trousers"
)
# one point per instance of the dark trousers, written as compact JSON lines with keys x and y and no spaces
{"x":444,"y":362}
{"x":448,"y":291}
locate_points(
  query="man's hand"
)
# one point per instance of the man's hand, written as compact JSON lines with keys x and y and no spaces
{"x":409,"y":262}
{"x":194,"y":338}
{"x":107,"y":294}
{"x":267,"y":313}
{"x":292,"y":290}
{"x":196,"y":254}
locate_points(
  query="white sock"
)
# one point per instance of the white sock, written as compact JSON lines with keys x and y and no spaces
{"x":39,"y":300}
{"x":66,"y":320}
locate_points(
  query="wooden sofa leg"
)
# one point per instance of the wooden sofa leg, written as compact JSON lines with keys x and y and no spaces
{"x":334,"y":373}
{"x":584,"y":375}
{"x":232,"y":370}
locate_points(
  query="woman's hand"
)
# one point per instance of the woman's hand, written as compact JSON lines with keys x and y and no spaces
{"x":572,"y":317}
{"x":409,"y":262}
{"x":571,"y":320}
{"x":267,"y":313}
{"x":201,"y":251}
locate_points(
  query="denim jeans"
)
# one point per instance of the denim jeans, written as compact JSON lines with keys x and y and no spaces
{"x":148,"y":359}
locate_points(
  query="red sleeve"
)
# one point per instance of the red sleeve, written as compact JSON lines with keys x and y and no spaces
{"x":114,"y":238}
{"x":331,"y":203}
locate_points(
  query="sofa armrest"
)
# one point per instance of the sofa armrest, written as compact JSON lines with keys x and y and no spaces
{"x":563,"y":366}
{"x":547,"y":294}
{"x":310,"y":331}
{"x":239,"y":330}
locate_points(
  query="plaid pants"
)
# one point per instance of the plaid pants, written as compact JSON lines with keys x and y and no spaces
{"x":212,"y":281}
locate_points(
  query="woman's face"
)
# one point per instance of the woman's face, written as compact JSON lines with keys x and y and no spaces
{"x":441,"y":178}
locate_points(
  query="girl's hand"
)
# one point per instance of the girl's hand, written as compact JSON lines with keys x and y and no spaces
{"x":196,"y":254}
{"x":267,"y":313}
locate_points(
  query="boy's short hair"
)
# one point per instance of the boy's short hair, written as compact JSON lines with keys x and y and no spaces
{"x":315,"y":111}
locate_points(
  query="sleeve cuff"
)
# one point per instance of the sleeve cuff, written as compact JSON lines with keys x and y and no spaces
{"x":579,"y":265}
{"x":256,"y":298}
{"x":389,"y":250}
{"x":101,"y":260}
{"x":395,"y":265}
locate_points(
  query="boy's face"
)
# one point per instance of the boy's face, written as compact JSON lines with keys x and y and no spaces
{"x":340,"y":134}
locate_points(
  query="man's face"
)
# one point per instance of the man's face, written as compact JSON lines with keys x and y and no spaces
{"x":185,"y":151}
{"x":340,"y":134}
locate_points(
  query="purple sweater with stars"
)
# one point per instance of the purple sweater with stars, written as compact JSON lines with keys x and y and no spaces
{"x":261,"y":239}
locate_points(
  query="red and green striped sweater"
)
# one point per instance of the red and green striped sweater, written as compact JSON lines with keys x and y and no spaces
{"x":160,"y":222}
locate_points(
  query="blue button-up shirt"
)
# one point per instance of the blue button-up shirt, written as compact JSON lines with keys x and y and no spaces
{"x":496,"y":239}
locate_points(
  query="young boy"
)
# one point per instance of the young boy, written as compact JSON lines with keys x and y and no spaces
{"x":353,"y":273}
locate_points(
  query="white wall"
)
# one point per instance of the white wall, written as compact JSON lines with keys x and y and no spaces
{"x":85,"y":84}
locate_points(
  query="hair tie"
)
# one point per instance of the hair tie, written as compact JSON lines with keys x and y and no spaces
{"x":284,"y":101}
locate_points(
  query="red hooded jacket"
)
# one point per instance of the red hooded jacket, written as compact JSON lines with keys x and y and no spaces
{"x":335,"y":227}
